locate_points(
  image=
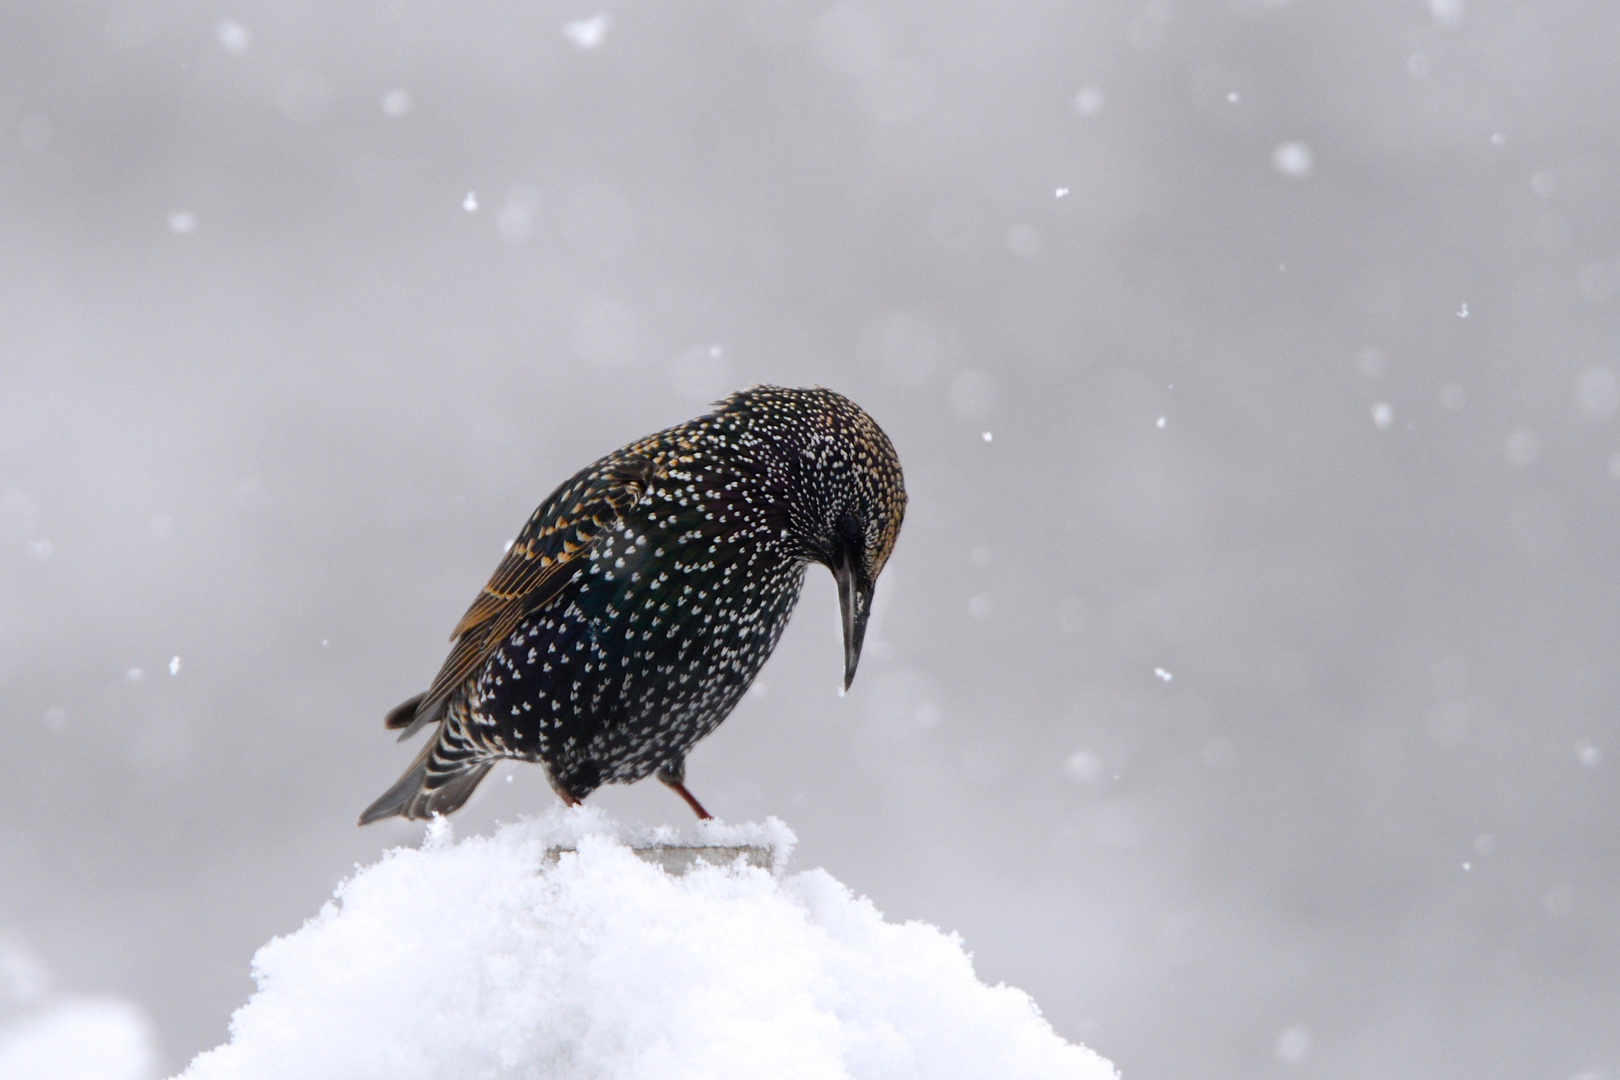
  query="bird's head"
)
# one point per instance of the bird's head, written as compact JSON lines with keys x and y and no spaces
{"x":843,"y":491}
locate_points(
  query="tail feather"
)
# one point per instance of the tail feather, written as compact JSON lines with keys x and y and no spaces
{"x":412,"y":717}
{"x":402,"y":714}
{"x":441,"y":778}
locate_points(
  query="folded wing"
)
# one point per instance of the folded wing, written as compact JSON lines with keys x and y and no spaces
{"x":544,"y":558}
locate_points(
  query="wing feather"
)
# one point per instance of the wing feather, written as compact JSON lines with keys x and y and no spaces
{"x":542,"y":560}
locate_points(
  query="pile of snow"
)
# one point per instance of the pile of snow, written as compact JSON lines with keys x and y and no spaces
{"x":55,"y":1036}
{"x":486,"y":959}
{"x":50,"y":1036}
{"x":79,"y":1038}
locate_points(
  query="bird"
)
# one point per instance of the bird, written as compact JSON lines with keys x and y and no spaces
{"x":641,"y":599}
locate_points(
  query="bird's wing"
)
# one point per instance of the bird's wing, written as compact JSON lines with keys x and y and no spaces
{"x":541,"y":561}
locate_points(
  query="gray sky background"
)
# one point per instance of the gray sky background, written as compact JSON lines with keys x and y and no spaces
{"x":1293,"y":326}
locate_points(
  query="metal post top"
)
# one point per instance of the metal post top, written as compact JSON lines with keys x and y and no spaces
{"x":679,"y":859}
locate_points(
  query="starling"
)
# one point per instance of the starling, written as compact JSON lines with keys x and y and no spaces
{"x":642,"y":597}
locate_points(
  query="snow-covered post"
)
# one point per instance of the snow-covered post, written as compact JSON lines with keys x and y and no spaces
{"x":569,"y":946}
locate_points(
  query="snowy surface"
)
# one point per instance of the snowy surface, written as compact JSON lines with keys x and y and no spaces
{"x":79,"y":1038}
{"x":468,"y":959}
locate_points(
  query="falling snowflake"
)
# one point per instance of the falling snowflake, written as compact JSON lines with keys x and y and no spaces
{"x":587,"y":34}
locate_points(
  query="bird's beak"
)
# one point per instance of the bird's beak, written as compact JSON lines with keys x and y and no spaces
{"x":855,"y":603}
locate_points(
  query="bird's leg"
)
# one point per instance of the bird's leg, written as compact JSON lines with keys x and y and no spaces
{"x":568,"y":800}
{"x":697,"y":808}
{"x":673,"y":777}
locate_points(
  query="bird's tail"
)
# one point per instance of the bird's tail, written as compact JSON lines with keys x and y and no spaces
{"x":441,"y":778}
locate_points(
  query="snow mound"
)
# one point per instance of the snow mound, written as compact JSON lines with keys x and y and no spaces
{"x":79,"y":1038}
{"x":486,"y":959}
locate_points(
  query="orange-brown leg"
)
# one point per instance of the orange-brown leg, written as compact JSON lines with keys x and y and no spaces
{"x":568,"y":800}
{"x":691,"y":800}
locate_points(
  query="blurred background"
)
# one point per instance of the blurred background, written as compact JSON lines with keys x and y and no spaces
{"x":1243,"y":683}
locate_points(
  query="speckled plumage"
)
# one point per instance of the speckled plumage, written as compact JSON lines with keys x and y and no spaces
{"x":644,"y":595}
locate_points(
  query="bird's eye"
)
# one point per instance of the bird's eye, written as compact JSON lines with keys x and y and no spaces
{"x":850,"y":529}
